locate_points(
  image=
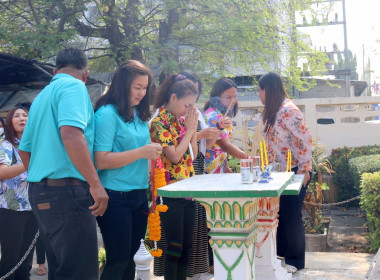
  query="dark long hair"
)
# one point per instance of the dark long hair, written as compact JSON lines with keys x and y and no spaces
{"x":177,"y":84}
{"x":274,"y":96}
{"x":9,"y":130}
{"x":118,"y":94}
{"x":217,"y":90}
{"x":2,"y":122}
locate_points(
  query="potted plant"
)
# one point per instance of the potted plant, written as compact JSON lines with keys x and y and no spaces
{"x":316,"y":223}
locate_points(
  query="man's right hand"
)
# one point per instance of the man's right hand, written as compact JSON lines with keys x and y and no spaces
{"x":100,"y":197}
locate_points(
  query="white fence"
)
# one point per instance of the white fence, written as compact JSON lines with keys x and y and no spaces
{"x":334,"y":122}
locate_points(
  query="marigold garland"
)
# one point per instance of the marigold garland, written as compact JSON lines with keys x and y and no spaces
{"x":156,"y":252}
{"x":154,"y":221}
{"x":162,"y":208}
{"x":159,"y":178}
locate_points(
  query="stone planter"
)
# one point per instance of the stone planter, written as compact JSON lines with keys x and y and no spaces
{"x":316,"y":242}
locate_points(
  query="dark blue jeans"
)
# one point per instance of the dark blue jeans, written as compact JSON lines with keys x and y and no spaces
{"x":17,"y":230}
{"x":123,"y":225}
{"x":68,"y":229}
{"x":290,"y":231}
{"x":178,"y":226}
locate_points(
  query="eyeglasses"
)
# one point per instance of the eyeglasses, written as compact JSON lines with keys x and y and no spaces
{"x":258,"y":91}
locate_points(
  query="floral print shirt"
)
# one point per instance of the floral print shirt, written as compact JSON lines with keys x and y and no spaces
{"x":289,"y":132}
{"x":216,"y":158}
{"x":168,"y":131}
{"x":13,"y":192}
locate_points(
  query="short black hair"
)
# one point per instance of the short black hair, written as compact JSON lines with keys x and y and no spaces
{"x":71,"y":57}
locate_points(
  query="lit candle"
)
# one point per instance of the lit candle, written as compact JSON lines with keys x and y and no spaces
{"x":265,"y":153}
{"x":262,"y":156}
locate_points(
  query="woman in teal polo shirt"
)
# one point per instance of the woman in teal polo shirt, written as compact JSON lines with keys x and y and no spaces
{"x":122,"y":151}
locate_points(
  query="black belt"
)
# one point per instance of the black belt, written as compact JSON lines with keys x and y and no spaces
{"x":62,"y":182}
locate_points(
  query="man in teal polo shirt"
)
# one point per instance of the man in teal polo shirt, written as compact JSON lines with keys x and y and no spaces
{"x":65,"y":191}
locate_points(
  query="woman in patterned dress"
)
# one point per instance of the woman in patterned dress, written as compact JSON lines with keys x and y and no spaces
{"x":286,"y":129}
{"x":175,"y":129}
{"x":17,"y":223}
{"x":217,"y":112}
{"x":201,"y":260}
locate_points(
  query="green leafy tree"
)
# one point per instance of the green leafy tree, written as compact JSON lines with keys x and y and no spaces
{"x":213,"y":37}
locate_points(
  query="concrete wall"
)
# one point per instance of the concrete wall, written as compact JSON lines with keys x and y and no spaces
{"x":356,"y":120}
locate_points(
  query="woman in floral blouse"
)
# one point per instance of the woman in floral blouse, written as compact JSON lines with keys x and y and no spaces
{"x":285,"y":129}
{"x":175,"y":129}
{"x":17,"y":223}
{"x":218,"y":112}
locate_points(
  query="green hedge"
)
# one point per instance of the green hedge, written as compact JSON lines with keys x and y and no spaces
{"x":342,"y":177}
{"x":363,"y":164}
{"x":370,"y":202}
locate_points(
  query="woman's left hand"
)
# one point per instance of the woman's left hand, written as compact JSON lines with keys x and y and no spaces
{"x":307,"y":176}
{"x":209,"y":133}
{"x":225,"y":122}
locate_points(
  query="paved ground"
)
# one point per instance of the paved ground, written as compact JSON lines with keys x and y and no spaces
{"x":347,"y":231}
{"x":346,"y":259}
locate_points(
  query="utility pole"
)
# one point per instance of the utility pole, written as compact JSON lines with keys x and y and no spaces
{"x":347,"y":70}
{"x":346,"y":58}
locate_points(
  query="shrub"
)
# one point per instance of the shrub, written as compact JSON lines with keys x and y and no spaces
{"x":321,"y":165}
{"x":363,"y":164}
{"x":370,"y":202}
{"x":102,"y":257}
{"x":342,"y":177}
{"x":233,"y":164}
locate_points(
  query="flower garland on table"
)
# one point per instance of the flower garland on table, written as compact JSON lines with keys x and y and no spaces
{"x":154,"y":221}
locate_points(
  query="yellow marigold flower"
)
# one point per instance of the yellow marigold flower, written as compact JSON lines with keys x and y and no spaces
{"x":156,"y":253}
{"x":162,"y":208}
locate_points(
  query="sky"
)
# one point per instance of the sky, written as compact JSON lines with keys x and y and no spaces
{"x":363,"y":32}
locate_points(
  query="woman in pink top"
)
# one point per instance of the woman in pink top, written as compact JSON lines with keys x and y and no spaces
{"x":285,"y":129}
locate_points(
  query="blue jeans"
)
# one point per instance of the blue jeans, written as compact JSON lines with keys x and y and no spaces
{"x":123,"y":225}
{"x":68,"y":229}
{"x":290,"y":231}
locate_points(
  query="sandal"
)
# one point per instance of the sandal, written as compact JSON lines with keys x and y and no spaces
{"x":291,"y":269}
{"x":41,"y":271}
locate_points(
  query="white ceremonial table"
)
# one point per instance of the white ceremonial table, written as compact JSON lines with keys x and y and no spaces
{"x":242,"y":219}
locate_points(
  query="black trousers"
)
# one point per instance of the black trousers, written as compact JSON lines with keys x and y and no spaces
{"x":40,"y":251}
{"x":17,"y":231}
{"x":178,"y":226}
{"x":123,"y":225}
{"x":68,"y":230}
{"x":290,"y":231}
